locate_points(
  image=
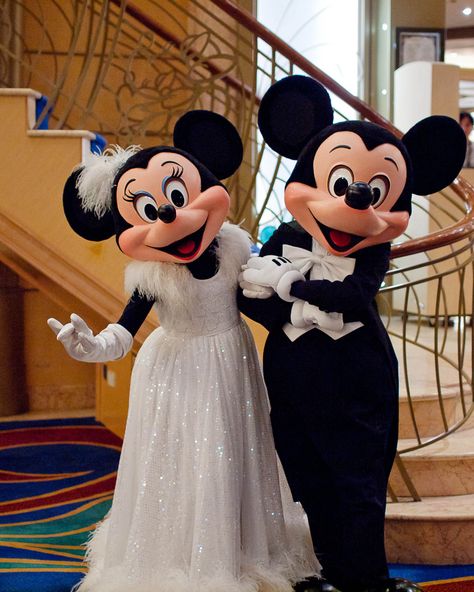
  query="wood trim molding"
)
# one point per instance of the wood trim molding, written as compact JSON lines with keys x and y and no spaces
{"x":460,"y":33}
{"x":64,"y":283}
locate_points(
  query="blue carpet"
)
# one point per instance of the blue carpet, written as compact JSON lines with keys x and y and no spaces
{"x":430,"y":573}
{"x":41,"y":541}
{"x":56,"y":482}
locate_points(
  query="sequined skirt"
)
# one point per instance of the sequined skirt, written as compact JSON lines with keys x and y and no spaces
{"x":198,"y":502}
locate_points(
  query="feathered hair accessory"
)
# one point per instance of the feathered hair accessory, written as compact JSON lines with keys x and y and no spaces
{"x":94,"y":183}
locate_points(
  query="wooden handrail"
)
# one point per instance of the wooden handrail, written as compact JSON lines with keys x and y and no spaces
{"x":462,"y":229}
{"x":446,"y":236}
{"x":244,"y":18}
{"x":144,"y":19}
{"x":461,"y":187}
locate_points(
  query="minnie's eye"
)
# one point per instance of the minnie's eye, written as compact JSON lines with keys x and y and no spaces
{"x":175,"y":191}
{"x":339,"y":180}
{"x":380,"y":187}
{"x":146,"y":208}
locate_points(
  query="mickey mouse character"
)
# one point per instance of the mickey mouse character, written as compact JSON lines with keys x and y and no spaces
{"x":197,"y":504}
{"x":329,"y":366}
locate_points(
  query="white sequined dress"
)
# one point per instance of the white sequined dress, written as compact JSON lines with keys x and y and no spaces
{"x":198,"y":504}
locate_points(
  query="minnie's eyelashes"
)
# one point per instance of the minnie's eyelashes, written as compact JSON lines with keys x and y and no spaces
{"x":130,"y":196}
{"x":177,"y":172}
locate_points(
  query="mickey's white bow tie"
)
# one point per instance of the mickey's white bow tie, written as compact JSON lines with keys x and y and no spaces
{"x":323,"y":265}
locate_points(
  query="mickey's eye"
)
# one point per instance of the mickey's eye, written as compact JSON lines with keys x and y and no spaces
{"x":339,"y":180}
{"x":175,"y":191}
{"x":146,"y":208}
{"x":380,"y":187}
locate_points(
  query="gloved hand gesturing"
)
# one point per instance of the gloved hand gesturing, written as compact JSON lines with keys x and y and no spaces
{"x":113,"y":343}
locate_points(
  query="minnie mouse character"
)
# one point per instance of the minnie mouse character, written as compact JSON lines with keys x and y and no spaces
{"x":197,"y":504}
{"x":329,"y":366}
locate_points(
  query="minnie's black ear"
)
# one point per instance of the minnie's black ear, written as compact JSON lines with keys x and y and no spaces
{"x":211,"y":139}
{"x":85,"y":224}
{"x":437,"y":148}
{"x":292,"y":111}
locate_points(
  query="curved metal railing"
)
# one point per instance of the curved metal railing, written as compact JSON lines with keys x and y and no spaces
{"x":128,"y":71}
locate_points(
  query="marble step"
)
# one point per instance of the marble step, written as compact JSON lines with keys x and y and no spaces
{"x":434,"y":531}
{"x":440,"y":469}
{"x":426,"y":377}
{"x":427,"y":414}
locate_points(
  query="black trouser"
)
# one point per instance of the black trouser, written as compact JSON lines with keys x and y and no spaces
{"x":334,"y":418}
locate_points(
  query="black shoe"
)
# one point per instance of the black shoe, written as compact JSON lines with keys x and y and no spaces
{"x":395,"y":585}
{"x":314,"y":584}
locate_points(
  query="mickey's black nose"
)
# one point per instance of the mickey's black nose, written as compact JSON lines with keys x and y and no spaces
{"x":167,"y":213}
{"x":359,"y":196}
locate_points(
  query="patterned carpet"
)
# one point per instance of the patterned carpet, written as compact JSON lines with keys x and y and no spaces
{"x":437,"y":578}
{"x":56,"y":482}
{"x":454,"y":585}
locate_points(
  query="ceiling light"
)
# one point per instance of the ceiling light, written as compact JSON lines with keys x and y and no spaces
{"x":467,"y":11}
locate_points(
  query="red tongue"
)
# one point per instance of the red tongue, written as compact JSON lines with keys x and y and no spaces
{"x":340,"y":239}
{"x":187,"y":247}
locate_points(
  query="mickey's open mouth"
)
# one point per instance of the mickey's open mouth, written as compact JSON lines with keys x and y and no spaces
{"x":337,"y":239}
{"x":185,"y":248}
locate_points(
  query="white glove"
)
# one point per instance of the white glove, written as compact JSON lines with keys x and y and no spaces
{"x":254,"y":290}
{"x":113,"y":343}
{"x":304,"y":314}
{"x":272,"y":271}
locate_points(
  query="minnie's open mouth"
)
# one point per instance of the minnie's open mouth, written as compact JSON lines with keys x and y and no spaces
{"x":337,"y":239}
{"x":185,"y":248}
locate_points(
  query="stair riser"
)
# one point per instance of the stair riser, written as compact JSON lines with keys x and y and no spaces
{"x":439,"y":542}
{"x":459,"y":414}
{"x":428,"y":417}
{"x":434,"y":478}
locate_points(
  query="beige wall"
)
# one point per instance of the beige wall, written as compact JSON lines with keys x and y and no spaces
{"x":395,"y":14}
{"x":35,"y":372}
{"x":13,"y":396}
{"x":108,"y":92}
{"x":54,"y":381}
{"x":418,"y":13}
{"x":136,"y":91}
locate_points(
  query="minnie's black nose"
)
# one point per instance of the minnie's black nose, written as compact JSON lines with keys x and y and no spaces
{"x":167,"y":213}
{"x":359,"y":196}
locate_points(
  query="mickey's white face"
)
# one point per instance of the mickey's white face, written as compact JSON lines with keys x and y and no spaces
{"x":341,"y":160}
{"x":172,"y":220}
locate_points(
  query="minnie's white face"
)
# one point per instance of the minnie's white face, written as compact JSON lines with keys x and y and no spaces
{"x":172,"y":220}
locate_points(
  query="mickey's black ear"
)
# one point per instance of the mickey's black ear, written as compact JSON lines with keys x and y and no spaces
{"x":85,"y":224}
{"x":437,"y":147}
{"x":292,"y":111}
{"x":211,"y":139}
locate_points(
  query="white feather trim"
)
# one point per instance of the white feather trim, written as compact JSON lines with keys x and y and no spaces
{"x":94,"y":184}
{"x":165,"y":281}
{"x":275,"y":575}
{"x":255,"y":578}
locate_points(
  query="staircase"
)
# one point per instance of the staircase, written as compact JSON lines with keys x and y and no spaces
{"x":439,"y":529}
{"x":192,"y":56}
{"x":35,"y":239}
